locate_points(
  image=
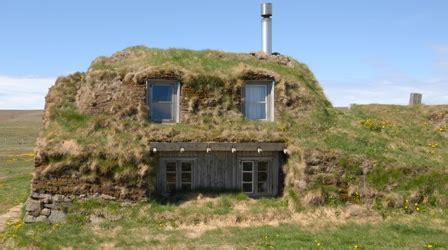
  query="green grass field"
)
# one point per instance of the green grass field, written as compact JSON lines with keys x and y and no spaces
{"x":18,"y":132}
{"x":230,"y":222}
{"x":222,"y":221}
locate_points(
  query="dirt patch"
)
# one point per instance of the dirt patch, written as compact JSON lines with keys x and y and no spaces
{"x":12,"y":214}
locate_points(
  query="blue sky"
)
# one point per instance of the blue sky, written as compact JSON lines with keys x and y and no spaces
{"x":360,"y":51}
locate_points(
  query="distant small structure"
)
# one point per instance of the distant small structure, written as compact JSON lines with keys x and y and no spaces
{"x":415,"y":99}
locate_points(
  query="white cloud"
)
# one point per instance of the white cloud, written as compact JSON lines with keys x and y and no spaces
{"x":385,"y":91}
{"x":24,"y":92}
{"x":390,"y":86}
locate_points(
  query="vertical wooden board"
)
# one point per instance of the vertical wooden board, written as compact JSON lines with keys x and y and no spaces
{"x":276,"y":169}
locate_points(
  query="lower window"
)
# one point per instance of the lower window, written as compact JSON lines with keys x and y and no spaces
{"x":178,"y":175}
{"x":254,"y":176}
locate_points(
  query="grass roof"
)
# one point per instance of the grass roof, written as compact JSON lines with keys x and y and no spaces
{"x":96,"y":127}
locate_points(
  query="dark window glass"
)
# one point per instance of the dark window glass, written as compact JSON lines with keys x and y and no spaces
{"x":262,"y":166}
{"x":186,"y":166}
{"x":171,"y":166}
{"x":186,"y":177}
{"x":262,"y":176}
{"x":247,"y":166}
{"x":247,"y":177}
{"x":247,"y":187}
{"x":171,"y":177}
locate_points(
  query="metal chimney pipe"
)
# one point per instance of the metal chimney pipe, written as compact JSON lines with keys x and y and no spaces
{"x":266,"y":28}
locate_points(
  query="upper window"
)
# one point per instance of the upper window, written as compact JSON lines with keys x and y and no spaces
{"x":258,"y":100}
{"x":163,"y":101}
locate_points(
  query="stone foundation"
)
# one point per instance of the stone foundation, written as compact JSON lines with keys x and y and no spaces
{"x":42,"y":207}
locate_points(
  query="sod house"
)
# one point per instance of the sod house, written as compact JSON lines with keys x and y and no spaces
{"x":150,"y":121}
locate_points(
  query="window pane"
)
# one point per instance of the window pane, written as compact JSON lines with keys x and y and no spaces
{"x":255,"y":93}
{"x":162,"y":93}
{"x":161,"y":111}
{"x":262,"y":166}
{"x":171,"y":167}
{"x":262,"y":187}
{"x":262,"y":176}
{"x":247,"y":176}
{"x":247,"y":187}
{"x":171,"y":177}
{"x":186,"y":166}
{"x":247,"y":166}
{"x":256,"y":111}
{"x":186,"y":177}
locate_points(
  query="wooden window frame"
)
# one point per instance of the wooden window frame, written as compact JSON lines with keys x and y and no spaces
{"x":255,"y":161}
{"x":175,"y":99}
{"x":179,"y":172}
{"x":270,"y":98}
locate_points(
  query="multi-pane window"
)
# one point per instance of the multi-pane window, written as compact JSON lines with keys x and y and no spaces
{"x":186,"y":173}
{"x":255,"y":176}
{"x":258,"y":100}
{"x":262,"y":177}
{"x":171,"y":176}
{"x":178,"y":175}
{"x":163,"y":101}
{"x":248,"y":176}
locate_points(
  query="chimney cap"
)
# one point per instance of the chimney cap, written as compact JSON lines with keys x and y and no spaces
{"x":266,"y":9}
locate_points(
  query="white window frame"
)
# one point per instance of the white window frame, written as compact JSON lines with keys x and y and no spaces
{"x":253,"y":175}
{"x":269,"y":99}
{"x":255,"y":161}
{"x":175,"y":99}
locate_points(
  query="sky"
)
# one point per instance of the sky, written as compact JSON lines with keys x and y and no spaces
{"x":360,"y":51}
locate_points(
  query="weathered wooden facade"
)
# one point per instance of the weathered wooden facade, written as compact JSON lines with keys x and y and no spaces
{"x":253,"y":168}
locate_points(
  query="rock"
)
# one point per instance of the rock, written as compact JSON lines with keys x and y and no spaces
{"x":41,"y":218}
{"x":82,"y":196}
{"x":29,"y":219}
{"x":33,"y":207}
{"x":57,"y":216}
{"x":35,"y":195}
{"x":50,"y":205}
{"x":58,"y":198}
{"x":45,"y":212}
{"x":107,"y":197}
{"x":96,"y":219}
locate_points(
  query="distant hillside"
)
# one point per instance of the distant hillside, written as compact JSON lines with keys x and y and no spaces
{"x":21,"y":115}
{"x":19,"y":129}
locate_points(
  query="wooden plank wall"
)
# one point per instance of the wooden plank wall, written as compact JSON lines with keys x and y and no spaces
{"x":220,"y":169}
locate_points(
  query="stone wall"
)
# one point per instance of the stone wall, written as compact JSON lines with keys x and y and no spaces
{"x":41,"y":207}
